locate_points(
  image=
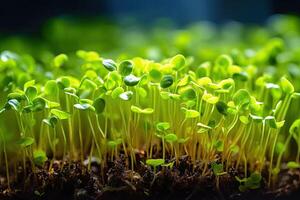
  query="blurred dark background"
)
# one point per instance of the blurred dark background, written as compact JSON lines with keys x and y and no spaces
{"x":29,"y":15}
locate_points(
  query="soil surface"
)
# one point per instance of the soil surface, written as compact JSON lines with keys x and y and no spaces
{"x":72,"y":180}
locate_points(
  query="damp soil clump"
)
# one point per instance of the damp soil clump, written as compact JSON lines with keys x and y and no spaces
{"x":73,"y":180}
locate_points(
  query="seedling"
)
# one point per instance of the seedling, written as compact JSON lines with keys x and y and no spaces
{"x":155,"y":163}
{"x":250,"y":183}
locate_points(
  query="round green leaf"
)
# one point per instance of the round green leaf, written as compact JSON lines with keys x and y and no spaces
{"x":39,"y":157}
{"x":209,"y":98}
{"x":224,"y":61}
{"x":187,"y":94}
{"x":293,"y":165}
{"x":155,"y":75}
{"x":14,"y":104}
{"x":59,"y":60}
{"x":125,"y":68}
{"x":178,"y":62}
{"x":162,"y":126}
{"x":183,"y":140}
{"x":244,"y":119}
{"x":141,"y":111}
{"x":131,"y":80}
{"x":241,"y":97}
{"x":171,"y":137}
{"x":191,"y":114}
{"x":51,"y":88}
{"x":116,"y":92}
{"x":38,"y":104}
{"x":141,"y":92}
{"x":166,"y":81}
{"x":83,"y":106}
{"x":222,"y":107}
{"x":126,"y":96}
{"x":109,"y":64}
{"x":217,"y":168}
{"x":99,"y":105}
{"x":286,"y":85}
{"x":25,"y":141}
{"x":60,"y":114}
{"x":155,"y":162}
{"x":51,"y":121}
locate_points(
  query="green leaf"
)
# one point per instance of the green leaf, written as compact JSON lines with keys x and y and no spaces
{"x":141,"y":92}
{"x":244,"y":119}
{"x":116,"y":92}
{"x":99,"y":105}
{"x":60,"y":114}
{"x":270,"y":120}
{"x":286,"y":85}
{"x":183,"y":140}
{"x":59,"y":60}
{"x":243,"y":76}
{"x":16,"y":95}
{"x":178,"y":62}
{"x":28,"y":84}
{"x":252,"y":182}
{"x":187,"y":94}
{"x":109,"y":64}
{"x":114,"y":143}
{"x":217,"y":168}
{"x":155,"y":75}
{"x":51,"y":104}
{"x":51,"y":121}
{"x":203,"y":70}
{"x":84,"y":106}
{"x":241,"y":97}
{"x":293,"y":165}
{"x":88,"y":56}
{"x":166,"y":81}
{"x":257,"y":119}
{"x":125,"y":68}
{"x":219,"y":145}
{"x":63,"y":82}
{"x":131,"y":80}
{"x":162,"y":126}
{"x":295,"y":128}
{"x":25,"y":141}
{"x":183,"y":82}
{"x":126,"y":96}
{"x":14,"y":104}
{"x":209,"y":98}
{"x":51,"y":88}
{"x":234,"y":149}
{"x":224,"y":61}
{"x":38,"y":104}
{"x":227,"y":84}
{"x":31,"y":92}
{"x":255,"y":177}
{"x":222,"y":107}
{"x":191,"y":114}
{"x":88,"y":84}
{"x":155,"y":162}
{"x":141,"y":111}
{"x":171,"y":137}
{"x":39,"y":157}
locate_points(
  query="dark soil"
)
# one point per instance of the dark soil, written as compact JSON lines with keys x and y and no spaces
{"x":117,"y":181}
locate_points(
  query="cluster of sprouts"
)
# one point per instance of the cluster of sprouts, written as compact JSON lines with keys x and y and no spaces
{"x":103,"y":108}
